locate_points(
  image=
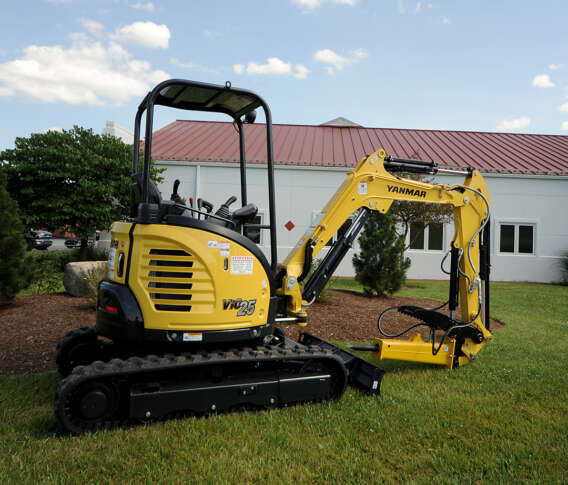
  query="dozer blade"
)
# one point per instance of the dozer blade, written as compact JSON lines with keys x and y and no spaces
{"x":362,"y":374}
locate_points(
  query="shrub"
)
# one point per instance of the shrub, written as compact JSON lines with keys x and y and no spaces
{"x":94,"y":276}
{"x":46,"y":273}
{"x":380,"y":267}
{"x":14,"y":260}
{"x":46,"y":268}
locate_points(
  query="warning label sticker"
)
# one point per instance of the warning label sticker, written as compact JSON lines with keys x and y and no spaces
{"x":111,"y":258}
{"x":241,"y":264}
{"x":225,"y":245}
{"x":192,"y":336}
{"x":362,"y":188}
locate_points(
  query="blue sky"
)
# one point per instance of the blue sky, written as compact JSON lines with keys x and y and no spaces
{"x":440,"y":64}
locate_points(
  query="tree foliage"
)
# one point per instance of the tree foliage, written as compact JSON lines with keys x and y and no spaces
{"x":405,"y":212}
{"x":380,"y":266}
{"x":74,"y":178}
{"x":14,"y":260}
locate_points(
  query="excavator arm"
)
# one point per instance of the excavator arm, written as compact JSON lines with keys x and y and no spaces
{"x":373,"y":186}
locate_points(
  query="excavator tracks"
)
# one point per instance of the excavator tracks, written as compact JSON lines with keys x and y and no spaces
{"x":123,"y":392}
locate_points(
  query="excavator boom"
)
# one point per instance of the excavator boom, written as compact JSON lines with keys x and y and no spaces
{"x":373,"y":186}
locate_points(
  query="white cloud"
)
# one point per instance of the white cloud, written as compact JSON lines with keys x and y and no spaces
{"x":446,"y":20}
{"x":336,"y":62}
{"x":89,"y":73}
{"x":514,"y":124}
{"x":563,"y":107}
{"x":192,"y":66}
{"x":92,"y":26}
{"x":542,"y":81}
{"x":301,"y":71}
{"x":54,"y":128}
{"x":414,"y":9}
{"x":273,"y":66}
{"x":147,"y":34}
{"x":148,"y":6}
{"x":211,"y":34}
{"x":79,"y":37}
{"x":309,"y":5}
{"x":554,"y":67}
{"x":564,"y":125}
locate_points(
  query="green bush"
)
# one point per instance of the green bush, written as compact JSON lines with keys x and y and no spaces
{"x":380,"y":266}
{"x":47,"y":267}
{"x":14,"y":264}
{"x":93,"y":278}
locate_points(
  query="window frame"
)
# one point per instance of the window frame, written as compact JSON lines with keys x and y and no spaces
{"x":426,"y":240}
{"x":515,"y":223}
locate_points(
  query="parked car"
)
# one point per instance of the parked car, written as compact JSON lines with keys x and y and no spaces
{"x":72,"y":243}
{"x":38,"y":239}
{"x":76,"y":243}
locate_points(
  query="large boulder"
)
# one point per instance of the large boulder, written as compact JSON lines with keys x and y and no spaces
{"x":79,"y":277}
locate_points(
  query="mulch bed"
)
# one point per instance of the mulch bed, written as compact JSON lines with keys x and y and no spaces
{"x":31,"y":327}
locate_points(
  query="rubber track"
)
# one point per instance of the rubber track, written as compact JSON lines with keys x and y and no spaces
{"x":80,"y":336}
{"x":170,"y":363}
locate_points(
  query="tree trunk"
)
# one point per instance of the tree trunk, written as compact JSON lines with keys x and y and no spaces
{"x":83,"y":251}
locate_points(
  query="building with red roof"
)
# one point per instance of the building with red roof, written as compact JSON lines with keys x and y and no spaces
{"x":527,"y":175}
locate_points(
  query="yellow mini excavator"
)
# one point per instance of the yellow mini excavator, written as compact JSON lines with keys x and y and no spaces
{"x":189,"y":320}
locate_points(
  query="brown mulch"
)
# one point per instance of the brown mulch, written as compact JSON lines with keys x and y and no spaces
{"x":31,"y":327}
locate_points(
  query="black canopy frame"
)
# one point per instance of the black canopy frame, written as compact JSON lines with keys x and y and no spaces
{"x":198,"y":96}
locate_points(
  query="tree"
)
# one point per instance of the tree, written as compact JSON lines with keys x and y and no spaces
{"x":72,"y":179}
{"x":404,"y":213}
{"x":380,"y":266}
{"x":14,"y":264}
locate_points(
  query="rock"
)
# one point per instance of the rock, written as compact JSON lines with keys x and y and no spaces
{"x":76,"y":277}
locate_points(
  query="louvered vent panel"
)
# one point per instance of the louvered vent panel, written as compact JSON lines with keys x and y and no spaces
{"x":170,"y":274}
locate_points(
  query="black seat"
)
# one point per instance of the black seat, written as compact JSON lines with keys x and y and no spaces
{"x":245,"y":213}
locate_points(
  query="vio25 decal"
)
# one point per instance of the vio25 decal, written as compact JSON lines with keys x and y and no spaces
{"x":245,"y":307}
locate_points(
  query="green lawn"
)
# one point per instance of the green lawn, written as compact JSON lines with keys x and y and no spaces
{"x":503,"y":419}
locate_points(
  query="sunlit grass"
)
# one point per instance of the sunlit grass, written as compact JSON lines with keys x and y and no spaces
{"x":503,"y":419}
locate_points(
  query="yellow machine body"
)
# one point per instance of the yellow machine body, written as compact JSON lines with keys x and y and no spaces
{"x":372,"y":187}
{"x":222,"y":285}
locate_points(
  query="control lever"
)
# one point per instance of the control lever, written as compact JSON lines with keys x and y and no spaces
{"x":199,"y":206}
{"x":176,"y":186}
{"x":223,"y":211}
{"x":202,"y":203}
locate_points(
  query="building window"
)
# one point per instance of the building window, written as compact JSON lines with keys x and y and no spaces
{"x":516,"y":238}
{"x":429,"y":237}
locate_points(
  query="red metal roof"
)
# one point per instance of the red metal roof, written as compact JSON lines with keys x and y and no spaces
{"x":330,"y":146}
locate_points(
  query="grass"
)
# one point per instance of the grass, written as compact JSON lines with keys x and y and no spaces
{"x":503,"y":419}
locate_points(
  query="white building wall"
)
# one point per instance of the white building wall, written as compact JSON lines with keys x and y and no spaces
{"x":301,"y":192}
{"x":118,"y":131}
